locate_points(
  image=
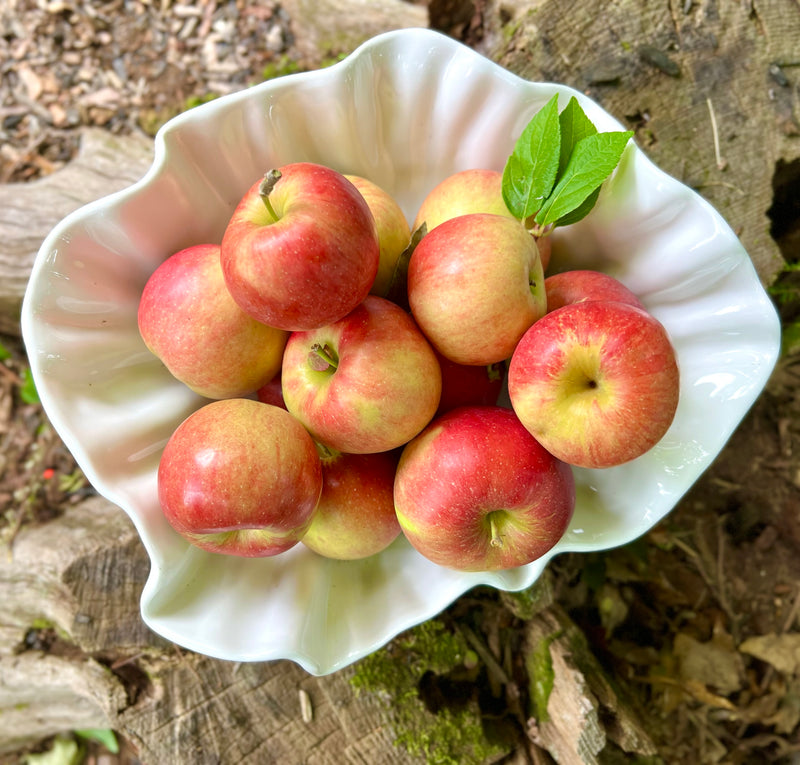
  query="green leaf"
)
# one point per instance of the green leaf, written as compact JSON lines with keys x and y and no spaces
{"x":575,"y":126}
{"x":4,"y":353}
{"x":530,"y":172}
{"x":102,"y":736}
{"x":580,"y":212}
{"x":28,"y":391}
{"x":790,"y":338}
{"x":65,"y":751}
{"x":590,"y":163}
{"x":397,"y":291}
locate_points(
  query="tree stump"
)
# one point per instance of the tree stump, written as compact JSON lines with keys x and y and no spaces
{"x":711,"y":89}
{"x":28,"y":211}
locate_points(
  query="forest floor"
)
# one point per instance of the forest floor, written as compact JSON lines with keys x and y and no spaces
{"x":698,"y":620}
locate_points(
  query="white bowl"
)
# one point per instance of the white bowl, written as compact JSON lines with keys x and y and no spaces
{"x":406,"y":109}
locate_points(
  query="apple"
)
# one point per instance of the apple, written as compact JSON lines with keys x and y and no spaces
{"x":394,"y":233}
{"x":586,"y":284}
{"x":366,"y":383}
{"x":240,"y":477}
{"x":596,"y":383}
{"x":475,"y":285}
{"x":355,"y":517}
{"x":475,"y":491}
{"x":464,"y":384}
{"x":475,"y":190}
{"x":272,"y":392}
{"x":188,"y":319}
{"x":301,"y":248}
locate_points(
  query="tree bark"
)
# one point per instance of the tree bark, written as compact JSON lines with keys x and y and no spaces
{"x":74,"y":653}
{"x":711,"y":89}
{"x":28,"y":211}
{"x":325,"y":29}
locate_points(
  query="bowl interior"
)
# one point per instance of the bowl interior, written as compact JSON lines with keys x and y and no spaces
{"x":406,"y":109}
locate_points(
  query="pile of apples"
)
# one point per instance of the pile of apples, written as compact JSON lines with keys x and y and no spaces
{"x":354,"y":363}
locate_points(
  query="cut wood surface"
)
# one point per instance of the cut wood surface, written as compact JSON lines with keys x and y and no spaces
{"x":74,"y":653}
{"x":28,"y":211}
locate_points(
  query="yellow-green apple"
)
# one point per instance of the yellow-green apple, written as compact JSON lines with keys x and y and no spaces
{"x":301,"y":248}
{"x":475,"y":285}
{"x":466,"y":384}
{"x":580,"y":285}
{"x":355,"y":516}
{"x":596,"y":383}
{"x":240,"y":477}
{"x":475,"y":190}
{"x":475,"y":491}
{"x":394,"y":233}
{"x":188,"y":319}
{"x":366,"y":383}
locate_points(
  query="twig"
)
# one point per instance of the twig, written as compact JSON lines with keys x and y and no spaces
{"x":721,"y":163}
{"x":792,"y":613}
{"x":11,"y":375}
{"x":492,"y":665}
{"x":128,"y":660}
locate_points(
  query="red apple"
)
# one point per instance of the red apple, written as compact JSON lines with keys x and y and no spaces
{"x":476,"y":492}
{"x":188,"y":319}
{"x":596,"y":383}
{"x":585,"y":284}
{"x":476,"y":190}
{"x":475,"y":284}
{"x":394,"y":233}
{"x":367,"y":383}
{"x":272,"y":392}
{"x":240,"y":477}
{"x":466,"y":384}
{"x":355,"y":516}
{"x":303,"y":252}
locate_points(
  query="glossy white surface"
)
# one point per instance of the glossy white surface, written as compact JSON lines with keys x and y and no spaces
{"x":406,"y":109}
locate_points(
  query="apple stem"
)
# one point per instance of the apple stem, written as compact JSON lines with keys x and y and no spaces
{"x":322,"y":358}
{"x":326,"y":454}
{"x":265,"y":189}
{"x":497,"y":540}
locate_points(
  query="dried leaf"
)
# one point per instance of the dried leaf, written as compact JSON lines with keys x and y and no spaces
{"x":781,"y":651}
{"x":712,"y":664}
{"x":31,"y":81}
{"x":700,"y":692}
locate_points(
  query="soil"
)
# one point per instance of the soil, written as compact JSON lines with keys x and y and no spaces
{"x":698,"y":620}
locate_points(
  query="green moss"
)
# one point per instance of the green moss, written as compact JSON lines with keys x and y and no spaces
{"x":150,"y":120}
{"x":193,"y":101}
{"x":40,"y":623}
{"x":526,"y":603}
{"x":446,"y":737}
{"x":283,"y":66}
{"x":331,"y":60}
{"x":539,"y":666}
